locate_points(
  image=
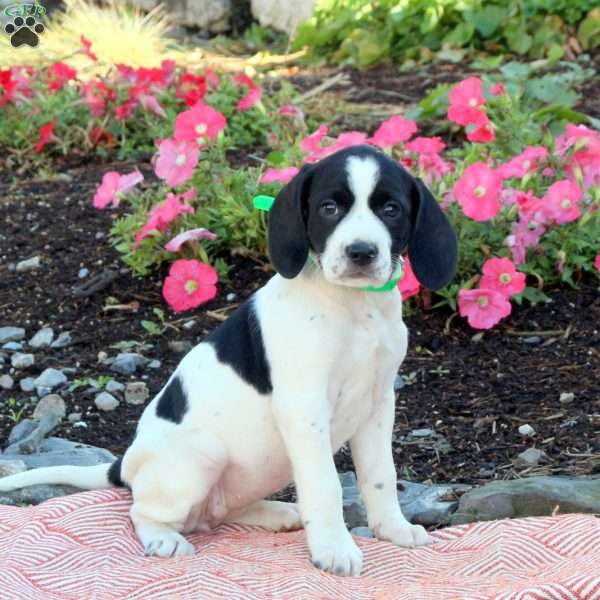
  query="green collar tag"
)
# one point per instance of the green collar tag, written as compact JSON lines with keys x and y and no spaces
{"x":266,"y":202}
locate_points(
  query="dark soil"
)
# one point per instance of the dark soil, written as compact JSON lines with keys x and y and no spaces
{"x":473,"y":393}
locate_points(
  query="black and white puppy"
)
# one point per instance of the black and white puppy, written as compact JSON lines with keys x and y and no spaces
{"x":305,"y":365}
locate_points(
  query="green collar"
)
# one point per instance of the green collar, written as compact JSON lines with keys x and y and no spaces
{"x":266,"y":202}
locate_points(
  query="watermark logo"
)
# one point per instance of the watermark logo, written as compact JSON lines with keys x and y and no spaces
{"x":25,"y":28}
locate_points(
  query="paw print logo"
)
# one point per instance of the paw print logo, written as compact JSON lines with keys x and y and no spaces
{"x":24,"y":31}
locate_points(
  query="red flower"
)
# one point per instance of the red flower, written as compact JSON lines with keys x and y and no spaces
{"x":46,"y":136}
{"x":393,"y":131}
{"x":101,"y":136}
{"x":87,"y":48}
{"x":96,"y":94}
{"x":425,"y":145}
{"x":199,"y":124}
{"x":499,"y":274}
{"x":58,"y":75}
{"x":478,"y":191}
{"x":481,"y":131}
{"x":483,"y":308}
{"x":189,"y":284}
{"x":408,"y":285}
{"x":7,"y":87}
{"x":253,"y":95}
{"x":597,"y":262}
{"x":466,"y":101}
{"x":191,"y":88}
{"x":497,"y":89}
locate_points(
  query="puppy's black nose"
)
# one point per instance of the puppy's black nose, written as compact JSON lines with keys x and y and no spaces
{"x":361,"y":253}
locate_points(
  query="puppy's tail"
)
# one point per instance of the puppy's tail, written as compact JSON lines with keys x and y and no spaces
{"x":87,"y":478}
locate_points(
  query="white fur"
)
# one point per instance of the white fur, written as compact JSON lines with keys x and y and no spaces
{"x":333,"y":353}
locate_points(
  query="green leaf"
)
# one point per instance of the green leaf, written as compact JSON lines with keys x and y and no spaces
{"x":515,"y":71}
{"x":461,"y":35}
{"x":486,"y":20}
{"x":518,"y":40}
{"x":589,"y":30}
{"x":151,"y":327}
{"x":277,"y":159}
{"x":549,"y":88}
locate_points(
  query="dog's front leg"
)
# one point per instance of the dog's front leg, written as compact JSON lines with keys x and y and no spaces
{"x":372,"y":454}
{"x":303,"y":421}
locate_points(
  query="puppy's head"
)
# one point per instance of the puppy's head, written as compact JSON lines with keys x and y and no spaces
{"x":356,"y":211}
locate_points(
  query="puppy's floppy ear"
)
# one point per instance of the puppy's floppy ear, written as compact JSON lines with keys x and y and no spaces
{"x":288,"y":239}
{"x":432,"y":246}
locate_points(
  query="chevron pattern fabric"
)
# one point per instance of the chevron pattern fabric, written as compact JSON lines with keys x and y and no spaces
{"x":83,"y":547}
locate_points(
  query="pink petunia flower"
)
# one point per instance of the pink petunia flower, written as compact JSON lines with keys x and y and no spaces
{"x":481,"y":131}
{"x":478,"y":192}
{"x":561,"y":201}
{"x":433,"y":167}
{"x":597,"y":263}
{"x":393,"y":131}
{"x":96,"y":94}
{"x":86,"y":48}
{"x":113,"y":186}
{"x":280,"y":175}
{"x":164,"y":214}
{"x":425,"y":145}
{"x":497,"y":89}
{"x":524,"y":163}
{"x":58,"y":76}
{"x":187,"y":236}
{"x":176,"y":161}
{"x":199,"y":124}
{"x":500,"y":274}
{"x":253,"y":94}
{"x":189,"y":284}
{"x":46,"y":135}
{"x":312,"y":143}
{"x":523,"y":235}
{"x":408,"y":285}
{"x":191,"y":88}
{"x":149,"y":102}
{"x":483,"y":307}
{"x":290,"y":110}
{"x":466,"y":102}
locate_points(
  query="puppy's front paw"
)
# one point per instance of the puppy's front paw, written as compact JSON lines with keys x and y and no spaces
{"x":169,"y":544}
{"x":337,"y":554}
{"x":404,"y":534}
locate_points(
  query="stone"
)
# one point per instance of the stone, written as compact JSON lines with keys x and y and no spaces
{"x":26,"y":384}
{"x":283,"y":16}
{"x":74,"y":417}
{"x":529,"y":497}
{"x":106,"y":402}
{"x":208,"y":15}
{"x":154,"y":364}
{"x":530,"y":458}
{"x":62,"y":341}
{"x":83,"y":273}
{"x":12,"y":347}
{"x":420,"y":433}
{"x":127,"y":363}
{"x":180,"y":346}
{"x":230,"y":297}
{"x":42,"y":338}
{"x":189,"y":324}
{"x":136,"y":392}
{"x":50,"y":378}
{"x":526,"y":430}
{"x":11,"y":334}
{"x":11,"y":467}
{"x":31,"y":264}
{"x":51,"y":404}
{"x":566,"y":397}
{"x":31,"y":444}
{"x":80,"y":425}
{"x":6,"y":382}
{"x":114,"y":386}
{"x":22,"y":361}
{"x":362,"y":532}
{"x":21,"y":430}
{"x":36,"y":494}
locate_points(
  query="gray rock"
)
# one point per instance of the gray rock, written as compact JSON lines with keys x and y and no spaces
{"x":136,"y":392}
{"x":127,"y":363}
{"x":11,"y":334}
{"x":533,"y":339}
{"x":420,"y":433}
{"x":11,"y":467}
{"x":36,"y":494}
{"x":529,"y":497}
{"x":566,"y":397}
{"x":52,"y":404}
{"x":42,"y":338}
{"x":114,"y":386}
{"x":283,"y":16}
{"x":80,"y":425}
{"x":526,"y":430}
{"x":230,"y":297}
{"x":180,"y":346}
{"x":530,"y":458}
{"x":13,"y":347}
{"x":83,"y":273}
{"x":154,"y":364}
{"x":189,"y":324}
{"x":31,"y":264}
{"x":50,"y":378}
{"x":22,"y":361}
{"x":26,"y":384}
{"x":43,"y":391}
{"x":31,"y":443}
{"x":21,"y":430}
{"x":6,"y":382}
{"x":62,"y":341}
{"x":74,"y":417}
{"x":362,"y":532}
{"x":106,"y":402}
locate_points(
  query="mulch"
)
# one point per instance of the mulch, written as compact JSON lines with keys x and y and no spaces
{"x":473,"y":393}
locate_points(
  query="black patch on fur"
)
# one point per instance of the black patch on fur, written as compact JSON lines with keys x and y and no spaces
{"x":172,"y":404}
{"x":238,"y":342}
{"x":114,"y":473}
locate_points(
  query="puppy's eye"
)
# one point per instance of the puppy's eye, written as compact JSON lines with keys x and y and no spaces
{"x":391,"y":209}
{"x":329,"y":208}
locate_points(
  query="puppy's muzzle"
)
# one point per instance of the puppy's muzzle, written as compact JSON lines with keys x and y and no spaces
{"x":362,"y":253}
